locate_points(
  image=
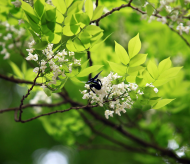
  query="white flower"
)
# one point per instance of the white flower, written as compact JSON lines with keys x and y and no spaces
{"x":180,"y":28}
{"x":168,"y":9}
{"x":11,"y":46}
{"x":156,"y":90}
{"x":7,"y":55}
{"x":108,"y":113}
{"x":163,"y":20}
{"x":36,"y":69}
{"x":186,"y":29}
{"x":43,"y":86}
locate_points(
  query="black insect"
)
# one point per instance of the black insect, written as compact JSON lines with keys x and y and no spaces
{"x":95,"y":83}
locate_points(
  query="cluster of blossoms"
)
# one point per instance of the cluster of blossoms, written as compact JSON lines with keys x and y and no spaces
{"x":10,"y":38}
{"x":116,"y":95}
{"x":40,"y":97}
{"x":54,"y":61}
{"x":173,"y":15}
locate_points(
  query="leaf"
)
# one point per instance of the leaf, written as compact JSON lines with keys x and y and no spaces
{"x":85,"y":39}
{"x":164,"y":65}
{"x":39,"y":7}
{"x":162,"y":103}
{"x":138,"y":60}
{"x":92,"y":30}
{"x":29,"y":11}
{"x":70,"y":46}
{"x":51,"y":14}
{"x":84,"y":65}
{"x":71,"y":30}
{"x":97,"y":12}
{"x":134,"y":46}
{"x":87,"y":71}
{"x":146,"y":76}
{"x":16,"y":70}
{"x":60,"y":5}
{"x":75,"y":7}
{"x":135,"y":69}
{"x":78,"y":45}
{"x":158,"y":83}
{"x":118,"y":68}
{"x":150,"y":9}
{"x":97,"y":45}
{"x":152,"y":69}
{"x":41,"y":46}
{"x":24,"y":67}
{"x":82,"y":19}
{"x":170,"y":73}
{"x":76,"y":81}
{"x":89,"y":8}
{"x":122,"y":53}
{"x":68,"y":2}
{"x":47,"y":91}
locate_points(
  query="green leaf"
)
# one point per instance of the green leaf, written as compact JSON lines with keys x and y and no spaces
{"x":71,"y":30}
{"x":35,"y":37}
{"x":93,"y":30}
{"x":29,"y":11}
{"x":138,"y":60}
{"x":70,"y":46}
{"x":51,"y":14}
{"x":47,"y":91}
{"x":170,"y":73}
{"x":82,"y":19}
{"x":84,"y":65}
{"x":39,"y":7}
{"x":147,"y":78}
{"x":97,"y":12}
{"x":75,"y":7}
{"x":122,"y":53}
{"x":135,"y":69}
{"x":68,"y":2}
{"x":85,"y":39}
{"x":16,"y":70}
{"x":158,"y":83}
{"x":32,"y":24}
{"x":97,"y":45}
{"x":118,"y":68}
{"x":87,"y":71}
{"x":89,"y":8}
{"x":41,"y":46}
{"x":60,"y":5}
{"x":134,"y":46}
{"x":150,"y":9}
{"x":24,"y":67}
{"x":152,"y":69}
{"x":164,"y":65}
{"x":162,"y":103}
{"x":76,"y":81}
{"x":53,"y":38}
{"x":78,"y":45}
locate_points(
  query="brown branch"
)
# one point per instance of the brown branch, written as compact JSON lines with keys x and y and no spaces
{"x":140,"y":11}
{"x":129,"y":148}
{"x":90,"y":62}
{"x":22,"y":100}
{"x":32,"y":105}
{"x":18,"y":81}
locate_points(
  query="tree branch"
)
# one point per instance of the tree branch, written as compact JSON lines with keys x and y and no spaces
{"x":32,"y":105}
{"x":18,"y":81}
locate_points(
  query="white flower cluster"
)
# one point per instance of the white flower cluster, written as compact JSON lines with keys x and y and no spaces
{"x":55,"y":61}
{"x":150,"y":85}
{"x":40,"y":97}
{"x":117,"y":95}
{"x":182,"y":28}
{"x":7,"y":41}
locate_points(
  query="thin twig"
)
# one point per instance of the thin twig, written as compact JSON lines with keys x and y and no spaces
{"x":22,"y":100}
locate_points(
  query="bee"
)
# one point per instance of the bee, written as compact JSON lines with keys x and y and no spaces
{"x":94,"y":82}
